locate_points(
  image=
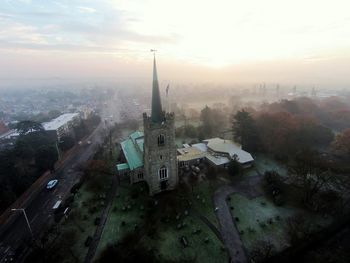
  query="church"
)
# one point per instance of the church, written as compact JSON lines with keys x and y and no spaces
{"x":151,"y":156}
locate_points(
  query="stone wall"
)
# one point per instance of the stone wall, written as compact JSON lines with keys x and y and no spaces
{"x":156,"y":156}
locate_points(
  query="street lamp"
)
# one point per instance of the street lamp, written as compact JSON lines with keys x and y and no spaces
{"x":25,"y":216}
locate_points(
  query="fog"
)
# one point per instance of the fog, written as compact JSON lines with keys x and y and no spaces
{"x":53,"y":69}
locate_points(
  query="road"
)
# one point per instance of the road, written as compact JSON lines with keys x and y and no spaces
{"x":39,"y":211}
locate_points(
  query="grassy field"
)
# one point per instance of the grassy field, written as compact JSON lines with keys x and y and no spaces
{"x":260,"y":220}
{"x":126,"y":214}
{"x":203,"y":245}
{"x":84,"y":211}
{"x":161,"y":221}
{"x":265,"y":163}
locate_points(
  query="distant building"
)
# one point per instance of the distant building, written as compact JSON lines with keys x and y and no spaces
{"x":85,"y":111}
{"x":151,"y":156}
{"x":3,"y":128}
{"x":215,"y":151}
{"x":63,"y":124}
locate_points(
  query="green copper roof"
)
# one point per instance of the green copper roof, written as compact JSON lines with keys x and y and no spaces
{"x":137,"y":134}
{"x":133,"y":150}
{"x":122,"y":167}
{"x":157,"y":113}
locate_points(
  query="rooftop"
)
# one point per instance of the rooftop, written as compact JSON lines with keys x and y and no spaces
{"x":190,"y":153}
{"x":59,"y":121}
{"x":229,"y":147}
{"x":133,"y":151}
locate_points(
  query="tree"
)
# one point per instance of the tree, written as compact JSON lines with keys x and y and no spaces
{"x":190,"y":131}
{"x":66,"y":142}
{"x":298,"y":228}
{"x":234,"y":167}
{"x":7,"y":170}
{"x":213,"y":121}
{"x":45,"y":157}
{"x":309,"y":177}
{"x":95,"y":175}
{"x":342,"y":142}
{"x":244,"y":130}
{"x":24,"y":127}
{"x":274,"y":186}
{"x":23,"y":149}
{"x":207,"y":121}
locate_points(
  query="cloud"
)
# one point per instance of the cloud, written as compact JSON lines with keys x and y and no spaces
{"x":86,"y":10}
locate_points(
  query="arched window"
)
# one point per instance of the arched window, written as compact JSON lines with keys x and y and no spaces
{"x":163,"y":173}
{"x":161,"y":140}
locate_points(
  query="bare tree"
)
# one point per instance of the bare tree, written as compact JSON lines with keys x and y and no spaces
{"x":308,"y":175}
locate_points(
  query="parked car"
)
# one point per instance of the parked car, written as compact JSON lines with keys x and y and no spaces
{"x":51,"y":184}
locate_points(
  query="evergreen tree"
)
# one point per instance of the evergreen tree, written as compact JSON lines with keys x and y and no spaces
{"x":244,"y":130}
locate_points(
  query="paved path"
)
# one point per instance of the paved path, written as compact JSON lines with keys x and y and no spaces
{"x":208,"y":223}
{"x":227,"y":226}
{"x":99,"y":230}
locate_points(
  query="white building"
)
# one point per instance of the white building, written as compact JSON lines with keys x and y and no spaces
{"x":63,"y":124}
{"x":215,"y":151}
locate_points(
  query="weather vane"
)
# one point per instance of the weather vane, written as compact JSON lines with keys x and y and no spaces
{"x":153,"y":51}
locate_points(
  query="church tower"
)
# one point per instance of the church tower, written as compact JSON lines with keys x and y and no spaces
{"x":160,"y":162}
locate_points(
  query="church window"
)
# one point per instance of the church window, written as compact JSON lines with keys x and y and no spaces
{"x":161,"y":157}
{"x":140,"y":175}
{"x":163,"y":173}
{"x":161,"y":140}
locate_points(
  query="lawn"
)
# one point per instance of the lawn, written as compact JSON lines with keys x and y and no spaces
{"x":260,"y":220}
{"x":203,"y":245}
{"x":126,"y":214}
{"x":163,"y":220}
{"x":263,"y":162}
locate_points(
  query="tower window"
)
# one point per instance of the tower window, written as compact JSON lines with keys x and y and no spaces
{"x":163,"y":173}
{"x":140,"y":175}
{"x":161,"y":140}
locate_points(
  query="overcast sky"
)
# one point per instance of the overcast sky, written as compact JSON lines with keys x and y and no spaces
{"x":300,"y":41}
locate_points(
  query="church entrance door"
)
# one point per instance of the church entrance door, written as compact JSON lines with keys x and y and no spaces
{"x":164,"y":185}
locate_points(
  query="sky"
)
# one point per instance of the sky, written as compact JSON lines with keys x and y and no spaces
{"x":229,"y":41}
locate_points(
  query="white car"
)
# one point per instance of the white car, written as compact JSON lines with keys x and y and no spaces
{"x":51,"y":184}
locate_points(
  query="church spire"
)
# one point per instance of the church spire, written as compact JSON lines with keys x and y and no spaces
{"x":157,"y":113}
